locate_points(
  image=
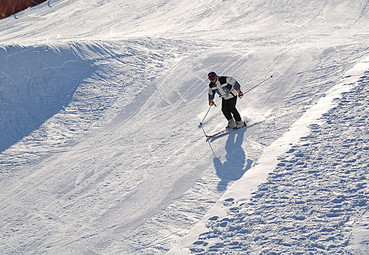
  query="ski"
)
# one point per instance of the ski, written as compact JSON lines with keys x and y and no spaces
{"x":228,"y":130}
{"x":224,"y":132}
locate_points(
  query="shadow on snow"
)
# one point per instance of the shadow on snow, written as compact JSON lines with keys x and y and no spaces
{"x":233,"y":168}
{"x":36,"y":83}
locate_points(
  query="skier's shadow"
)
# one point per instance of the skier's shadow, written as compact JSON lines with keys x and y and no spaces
{"x":233,"y":167}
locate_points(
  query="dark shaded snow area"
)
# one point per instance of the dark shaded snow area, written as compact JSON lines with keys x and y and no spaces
{"x":36,"y":83}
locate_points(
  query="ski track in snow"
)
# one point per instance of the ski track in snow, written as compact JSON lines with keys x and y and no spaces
{"x":101,"y":152}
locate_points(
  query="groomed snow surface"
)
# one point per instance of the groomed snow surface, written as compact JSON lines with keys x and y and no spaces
{"x":101,"y":151}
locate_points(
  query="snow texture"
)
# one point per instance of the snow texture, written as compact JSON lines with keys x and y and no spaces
{"x":101,"y":151}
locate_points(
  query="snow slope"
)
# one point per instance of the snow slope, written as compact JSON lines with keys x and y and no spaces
{"x":328,"y":197}
{"x":101,"y":151}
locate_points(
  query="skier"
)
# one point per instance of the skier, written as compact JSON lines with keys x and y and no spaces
{"x":228,"y":89}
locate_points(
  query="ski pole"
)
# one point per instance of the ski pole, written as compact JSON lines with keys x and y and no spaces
{"x":206,"y":115}
{"x":257,"y":85}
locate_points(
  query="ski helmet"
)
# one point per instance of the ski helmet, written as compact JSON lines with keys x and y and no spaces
{"x":212,"y":75}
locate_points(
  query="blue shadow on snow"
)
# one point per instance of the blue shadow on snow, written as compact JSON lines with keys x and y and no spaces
{"x":36,"y":83}
{"x":233,"y":168}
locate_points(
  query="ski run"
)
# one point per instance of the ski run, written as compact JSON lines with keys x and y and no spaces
{"x":101,"y":151}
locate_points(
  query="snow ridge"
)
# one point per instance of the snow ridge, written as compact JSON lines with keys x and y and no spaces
{"x":52,"y":94}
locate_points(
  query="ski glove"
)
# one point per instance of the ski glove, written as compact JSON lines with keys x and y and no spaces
{"x":240,"y":93}
{"x":211,"y":102}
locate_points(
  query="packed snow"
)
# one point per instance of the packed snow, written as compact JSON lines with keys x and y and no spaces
{"x":101,"y":151}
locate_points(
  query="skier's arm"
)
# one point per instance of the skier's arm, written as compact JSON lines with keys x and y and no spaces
{"x":237,"y":86}
{"x":231,"y":81}
{"x":211,"y":95}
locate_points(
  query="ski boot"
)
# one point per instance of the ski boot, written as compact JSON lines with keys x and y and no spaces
{"x":240,"y":124}
{"x":231,"y":124}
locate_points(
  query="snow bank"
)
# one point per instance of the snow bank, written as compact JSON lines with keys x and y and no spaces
{"x":36,"y":83}
{"x":187,"y":19}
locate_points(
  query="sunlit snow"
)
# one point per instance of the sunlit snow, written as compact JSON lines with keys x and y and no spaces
{"x":101,"y":151}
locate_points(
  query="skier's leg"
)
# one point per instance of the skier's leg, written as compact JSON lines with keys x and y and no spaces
{"x":226,"y":109}
{"x":227,"y":113}
{"x":233,"y":110}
